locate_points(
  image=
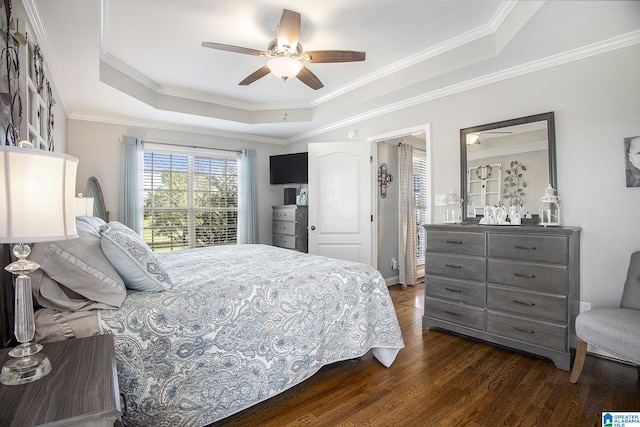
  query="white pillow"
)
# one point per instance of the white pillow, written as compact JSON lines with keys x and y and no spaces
{"x":85,"y":276}
{"x":93,"y":221}
{"x":133,"y":259}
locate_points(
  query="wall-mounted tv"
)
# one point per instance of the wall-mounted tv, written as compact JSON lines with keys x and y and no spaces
{"x":289,"y":169}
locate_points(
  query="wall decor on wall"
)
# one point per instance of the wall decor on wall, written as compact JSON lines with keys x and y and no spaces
{"x":632,"y":160}
{"x":40,"y":102}
{"x":384,"y":178}
{"x":10,"y":97}
{"x":303,"y":197}
{"x":50,"y":121}
{"x":514,"y":184}
{"x":25,"y":91}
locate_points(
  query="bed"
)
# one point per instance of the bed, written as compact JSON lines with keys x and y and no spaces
{"x":204,"y":333}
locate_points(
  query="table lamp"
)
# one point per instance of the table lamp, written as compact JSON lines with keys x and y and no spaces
{"x":37,"y":204}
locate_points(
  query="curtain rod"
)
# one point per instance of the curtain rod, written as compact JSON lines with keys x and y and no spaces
{"x":414,"y":147}
{"x":193,"y":146}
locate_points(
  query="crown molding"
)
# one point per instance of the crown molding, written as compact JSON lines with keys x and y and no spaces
{"x":531,"y":67}
{"x":577,"y":54}
{"x":598,"y":48}
{"x":149,"y":124}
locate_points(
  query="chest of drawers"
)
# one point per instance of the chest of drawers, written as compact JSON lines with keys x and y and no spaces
{"x":514,"y":286}
{"x":290,"y":227}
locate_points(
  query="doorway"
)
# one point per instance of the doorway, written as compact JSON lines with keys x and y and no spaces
{"x":387,"y":239}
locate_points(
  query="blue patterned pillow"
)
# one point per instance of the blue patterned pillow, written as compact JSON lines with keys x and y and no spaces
{"x":133,"y":258}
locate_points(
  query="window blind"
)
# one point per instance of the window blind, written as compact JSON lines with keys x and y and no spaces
{"x":190,"y":197}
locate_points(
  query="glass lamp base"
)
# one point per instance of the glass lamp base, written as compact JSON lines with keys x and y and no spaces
{"x":25,"y":349}
{"x":24,"y":370}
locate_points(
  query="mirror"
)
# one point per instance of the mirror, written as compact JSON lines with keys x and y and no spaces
{"x":94,"y":190}
{"x":509,"y":162}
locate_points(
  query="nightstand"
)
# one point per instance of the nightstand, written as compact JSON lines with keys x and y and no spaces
{"x":80,"y":390}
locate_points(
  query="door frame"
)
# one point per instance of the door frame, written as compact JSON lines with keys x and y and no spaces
{"x":375,"y":139}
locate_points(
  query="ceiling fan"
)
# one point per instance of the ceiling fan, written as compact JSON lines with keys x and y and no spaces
{"x":287,"y":58}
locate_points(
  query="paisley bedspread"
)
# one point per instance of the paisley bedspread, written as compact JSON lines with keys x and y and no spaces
{"x":241,"y":324}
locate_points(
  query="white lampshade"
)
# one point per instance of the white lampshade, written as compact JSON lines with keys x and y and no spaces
{"x":285,"y":67}
{"x":37,"y":201}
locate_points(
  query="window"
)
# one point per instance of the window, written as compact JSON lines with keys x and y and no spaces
{"x":420,"y":194}
{"x":190,"y":198}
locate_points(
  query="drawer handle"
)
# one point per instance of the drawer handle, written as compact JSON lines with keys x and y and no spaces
{"x":452,"y":313}
{"x":530,"y":304}
{"x":528,"y":248}
{"x":526,"y":276}
{"x":453,"y":266}
{"x":453,"y":242}
{"x":526,"y":331}
{"x":453,"y":290}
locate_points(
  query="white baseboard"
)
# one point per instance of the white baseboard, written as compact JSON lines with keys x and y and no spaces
{"x":392,"y":280}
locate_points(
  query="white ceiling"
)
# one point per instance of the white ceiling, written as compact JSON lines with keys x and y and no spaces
{"x":141,"y":61}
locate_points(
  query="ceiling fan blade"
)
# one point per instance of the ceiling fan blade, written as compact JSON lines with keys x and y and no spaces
{"x":288,"y":30}
{"x":258,"y":74}
{"x":231,"y":48}
{"x":307,"y":77}
{"x":325,"y":56}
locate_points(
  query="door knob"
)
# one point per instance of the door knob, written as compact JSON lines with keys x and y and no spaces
{"x":313,"y":227}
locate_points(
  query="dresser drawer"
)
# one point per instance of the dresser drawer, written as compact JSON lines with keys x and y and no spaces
{"x":535,"y":332}
{"x":460,"y":314}
{"x":280,"y":227}
{"x":543,"y":277}
{"x":284,"y":241}
{"x":455,"y":290}
{"x":531,"y":304}
{"x":284,"y":214}
{"x":456,"y":242}
{"x":456,"y":266}
{"x":553,"y":249}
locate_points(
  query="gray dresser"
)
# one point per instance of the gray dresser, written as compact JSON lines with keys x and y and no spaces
{"x":290,"y":227}
{"x":516,"y":286}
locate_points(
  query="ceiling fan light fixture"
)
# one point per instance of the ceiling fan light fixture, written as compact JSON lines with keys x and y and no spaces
{"x":285,"y":67}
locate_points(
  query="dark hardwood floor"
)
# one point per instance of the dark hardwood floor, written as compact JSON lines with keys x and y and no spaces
{"x":440,"y":379}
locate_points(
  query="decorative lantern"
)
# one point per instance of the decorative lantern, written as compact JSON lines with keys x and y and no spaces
{"x":453,"y":209}
{"x":550,"y":208}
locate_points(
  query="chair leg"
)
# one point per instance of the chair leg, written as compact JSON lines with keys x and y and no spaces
{"x":578,"y":363}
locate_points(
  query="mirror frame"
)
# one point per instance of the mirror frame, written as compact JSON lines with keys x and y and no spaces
{"x":94,"y":190}
{"x":551,"y":149}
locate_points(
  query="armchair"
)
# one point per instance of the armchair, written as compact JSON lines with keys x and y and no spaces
{"x":615,"y":330}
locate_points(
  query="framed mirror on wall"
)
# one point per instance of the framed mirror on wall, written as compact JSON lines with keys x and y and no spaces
{"x":509,"y":162}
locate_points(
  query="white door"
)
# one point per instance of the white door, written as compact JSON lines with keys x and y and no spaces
{"x":340,"y":214}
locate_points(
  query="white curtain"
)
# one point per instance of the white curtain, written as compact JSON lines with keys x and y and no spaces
{"x":408,"y":241}
{"x":247,"y":198}
{"x":131,"y":213}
